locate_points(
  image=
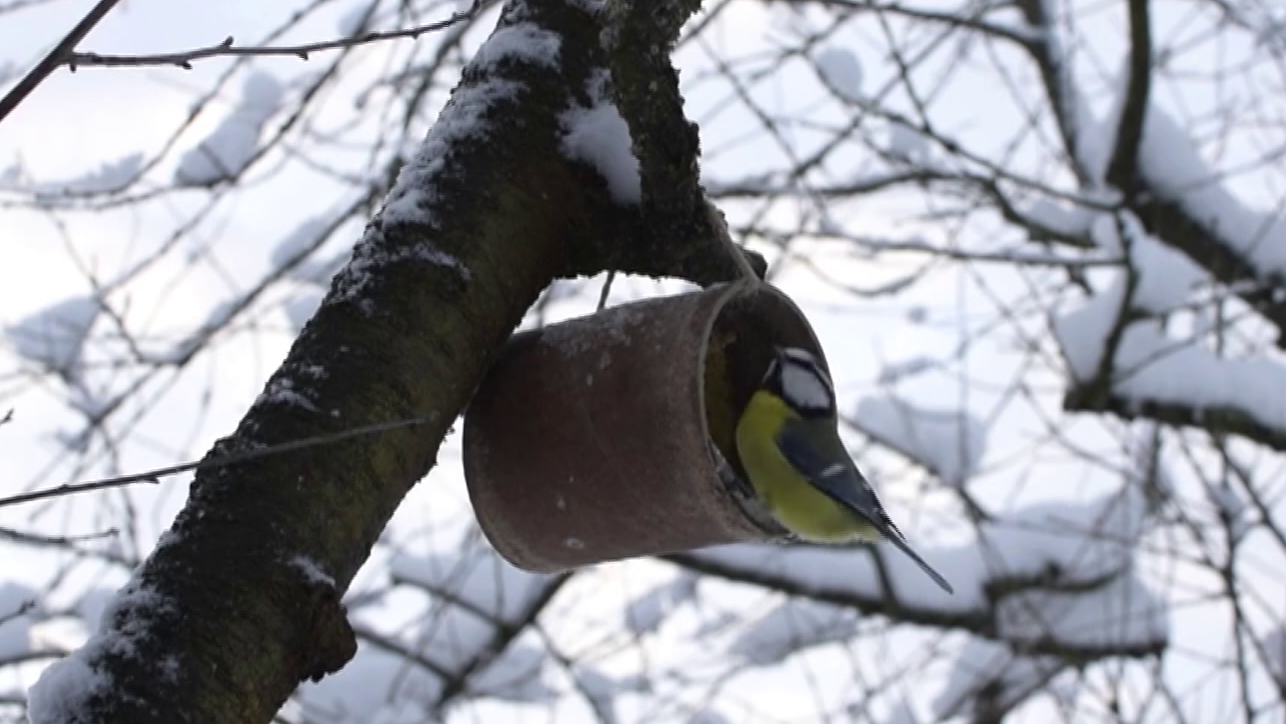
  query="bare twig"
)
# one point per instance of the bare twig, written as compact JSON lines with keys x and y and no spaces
{"x":391,"y":645}
{"x":24,"y":607}
{"x":184,"y":58}
{"x":16,"y":5}
{"x":1057,"y":79}
{"x":154,"y":476}
{"x":18,"y":536}
{"x":607,"y":289}
{"x":55,"y":57}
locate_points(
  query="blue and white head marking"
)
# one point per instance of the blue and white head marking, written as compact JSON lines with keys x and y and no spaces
{"x":799,"y":378}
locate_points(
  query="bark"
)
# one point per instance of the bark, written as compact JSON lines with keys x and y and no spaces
{"x":240,"y":602}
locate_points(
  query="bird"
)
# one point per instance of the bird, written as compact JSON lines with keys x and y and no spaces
{"x":788,"y":441}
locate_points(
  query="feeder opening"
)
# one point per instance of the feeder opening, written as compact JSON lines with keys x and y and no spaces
{"x":741,"y":345}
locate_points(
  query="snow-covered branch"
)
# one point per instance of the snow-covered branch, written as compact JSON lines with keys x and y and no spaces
{"x":433,"y":287}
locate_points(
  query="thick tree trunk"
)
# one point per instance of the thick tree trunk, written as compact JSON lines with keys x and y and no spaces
{"x":240,"y":601}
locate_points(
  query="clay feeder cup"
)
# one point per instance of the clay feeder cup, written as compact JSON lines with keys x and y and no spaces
{"x":612,"y":436}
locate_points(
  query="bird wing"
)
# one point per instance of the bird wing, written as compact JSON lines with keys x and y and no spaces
{"x":805,"y":453}
{"x":823,"y":460}
{"x":843,"y":483}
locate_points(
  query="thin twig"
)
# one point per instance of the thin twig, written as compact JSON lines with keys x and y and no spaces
{"x":154,"y":476}
{"x":184,"y":58}
{"x":21,"y":5}
{"x":607,"y":289}
{"x":55,"y":58}
{"x":23,"y":607}
{"x":18,"y":536}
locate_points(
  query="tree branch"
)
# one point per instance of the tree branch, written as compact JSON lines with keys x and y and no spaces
{"x":1122,"y":172}
{"x":154,"y":476}
{"x":1056,"y":77}
{"x":981,"y":621}
{"x":184,"y":58}
{"x":504,"y":633}
{"x":639,"y":37}
{"x":1225,"y":420}
{"x":1203,"y":243}
{"x":1164,"y":218}
{"x":19,"y":92}
{"x":240,"y":600}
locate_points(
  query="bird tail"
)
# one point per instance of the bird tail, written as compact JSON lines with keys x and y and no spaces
{"x":845,"y":485}
{"x":894,"y":536}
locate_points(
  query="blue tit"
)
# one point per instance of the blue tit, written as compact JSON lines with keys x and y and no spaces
{"x":789,"y":444}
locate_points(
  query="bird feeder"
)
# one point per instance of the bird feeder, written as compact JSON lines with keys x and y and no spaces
{"x":611,"y":436}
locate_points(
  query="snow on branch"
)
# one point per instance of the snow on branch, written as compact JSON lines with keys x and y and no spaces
{"x":644,"y":92}
{"x":792,"y":626}
{"x":949,"y":444}
{"x":1225,"y":236}
{"x":1178,"y":382}
{"x":647,"y":612}
{"x":480,"y":606}
{"x":1176,"y":196}
{"x":55,"y":336}
{"x":596,"y":134}
{"x":991,"y":678}
{"x":234,"y":143}
{"x":110,"y":177}
{"x":1174,"y":170}
{"x":467,"y":642}
{"x":1071,"y":111}
{"x":1121,"y":358}
{"x":1055,"y":578}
